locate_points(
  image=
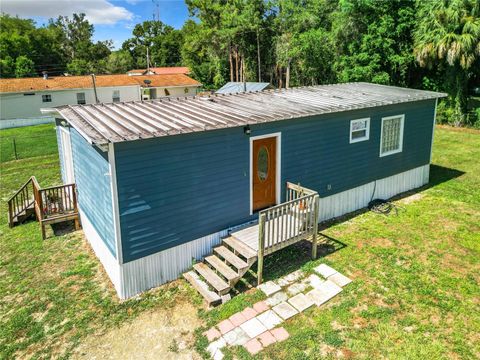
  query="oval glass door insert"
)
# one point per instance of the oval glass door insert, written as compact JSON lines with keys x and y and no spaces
{"x":262,"y":163}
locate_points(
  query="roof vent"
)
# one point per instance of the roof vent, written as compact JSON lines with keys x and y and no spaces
{"x":206,"y":98}
{"x":45,"y":75}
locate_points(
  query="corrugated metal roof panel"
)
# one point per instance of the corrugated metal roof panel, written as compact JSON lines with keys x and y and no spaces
{"x":239,"y":87}
{"x":116,"y":122}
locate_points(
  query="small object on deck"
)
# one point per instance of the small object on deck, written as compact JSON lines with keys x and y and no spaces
{"x":325,"y":270}
{"x":269,"y":288}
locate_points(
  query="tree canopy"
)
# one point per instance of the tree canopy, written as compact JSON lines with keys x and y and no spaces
{"x":414,"y":43}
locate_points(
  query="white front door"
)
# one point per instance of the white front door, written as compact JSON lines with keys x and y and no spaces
{"x":67,"y":156}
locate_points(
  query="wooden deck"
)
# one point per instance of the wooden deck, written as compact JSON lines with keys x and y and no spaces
{"x":287,"y":223}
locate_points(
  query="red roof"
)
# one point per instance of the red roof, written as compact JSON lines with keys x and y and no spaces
{"x":79,"y":82}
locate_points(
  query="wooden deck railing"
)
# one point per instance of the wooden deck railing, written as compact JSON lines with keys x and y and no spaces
{"x":287,"y":223}
{"x":51,"y":204}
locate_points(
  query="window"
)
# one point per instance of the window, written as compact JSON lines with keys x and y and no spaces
{"x":81,"y":98}
{"x":47,"y":98}
{"x":116,"y":96}
{"x":391,"y":141}
{"x":359,"y":130}
{"x":167,"y":93}
{"x":262,"y":163}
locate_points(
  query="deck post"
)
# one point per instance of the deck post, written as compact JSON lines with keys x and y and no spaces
{"x":316,"y":205}
{"x":261,"y":247}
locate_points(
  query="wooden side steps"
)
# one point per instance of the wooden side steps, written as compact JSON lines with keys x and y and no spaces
{"x":221,"y":271}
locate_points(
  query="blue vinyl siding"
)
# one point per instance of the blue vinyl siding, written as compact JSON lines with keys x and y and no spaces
{"x":93,"y":186}
{"x":178,"y":188}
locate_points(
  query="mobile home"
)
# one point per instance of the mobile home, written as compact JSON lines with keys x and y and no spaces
{"x":165,"y":181}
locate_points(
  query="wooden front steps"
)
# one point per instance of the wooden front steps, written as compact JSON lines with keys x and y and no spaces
{"x":221,"y":271}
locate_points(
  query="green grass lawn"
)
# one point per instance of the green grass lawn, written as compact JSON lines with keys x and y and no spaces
{"x":416,"y":276}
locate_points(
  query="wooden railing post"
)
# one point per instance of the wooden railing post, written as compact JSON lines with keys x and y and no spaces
{"x":261,"y":247}
{"x":316,"y":204}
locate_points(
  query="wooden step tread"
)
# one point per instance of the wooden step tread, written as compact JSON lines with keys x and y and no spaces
{"x":240,"y":247}
{"x":201,"y":286}
{"x":222,"y":268}
{"x":213,"y":279}
{"x":231,"y":258}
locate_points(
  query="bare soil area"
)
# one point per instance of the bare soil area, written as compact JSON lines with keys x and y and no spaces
{"x":160,"y":334}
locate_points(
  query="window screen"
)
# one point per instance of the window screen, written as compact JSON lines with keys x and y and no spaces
{"x":359,"y":130}
{"x":116,"y":96}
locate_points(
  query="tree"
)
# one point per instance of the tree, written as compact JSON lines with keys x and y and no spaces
{"x":24,"y":67}
{"x":448,"y":36}
{"x":7,"y":67}
{"x":119,"y":62}
{"x":79,"y":67}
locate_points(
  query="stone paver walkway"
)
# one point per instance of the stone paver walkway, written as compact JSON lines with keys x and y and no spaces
{"x":256,"y":327}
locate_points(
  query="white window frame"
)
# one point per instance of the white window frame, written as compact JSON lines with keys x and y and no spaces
{"x":278,"y":174}
{"x":367,"y":132}
{"x":400,"y":148}
{"x":44,"y":96}
{"x":114,"y":97}
{"x":84,"y":98}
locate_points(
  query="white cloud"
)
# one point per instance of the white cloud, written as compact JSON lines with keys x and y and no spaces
{"x":96,"y":11}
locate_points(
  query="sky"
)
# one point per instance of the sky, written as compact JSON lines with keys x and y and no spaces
{"x":113,"y":19}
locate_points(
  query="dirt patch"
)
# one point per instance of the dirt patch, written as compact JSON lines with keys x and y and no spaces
{"x":412,"y":198}
{"x":161,"y":334}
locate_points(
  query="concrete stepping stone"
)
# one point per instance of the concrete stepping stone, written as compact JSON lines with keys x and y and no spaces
{"x":296,"y":288}
{"x":253,"y":346}
{"x":266,"y":339}
{"x":290,"y":278}
{"x":218,"y":355}
{"x":324,"y":293}
{"x":216,"y":346}
{"x":253,"y":327}
{"x":269,"y":288}
{"x":285,"y":310}
{"x":237,"y":319}
{"x":325,"y":270}
{"x":249,"y":313}
{"x":276,"y":298}
{"x":280,"y":334}
{"x":314,"y":281}
{"x":212,"y":334}
{"x":236,"y":337}
{"x":301,"y":302}
{"x":261,"y":306}
{"x":269,"y":319}
{"x":225,"y":326}
{"x":340,"y":279}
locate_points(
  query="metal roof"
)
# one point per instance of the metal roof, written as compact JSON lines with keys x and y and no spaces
{"x":124,"y":121}
{"x":239,"y":87}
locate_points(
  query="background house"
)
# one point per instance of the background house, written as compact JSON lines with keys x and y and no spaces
{"x":21,"y":99}
{"x":161,"y":182}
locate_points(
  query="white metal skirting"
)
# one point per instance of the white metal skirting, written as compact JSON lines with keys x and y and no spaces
{"x":359,"y":197}
{"x":110,"y":264}
{"x":154,"y":270}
